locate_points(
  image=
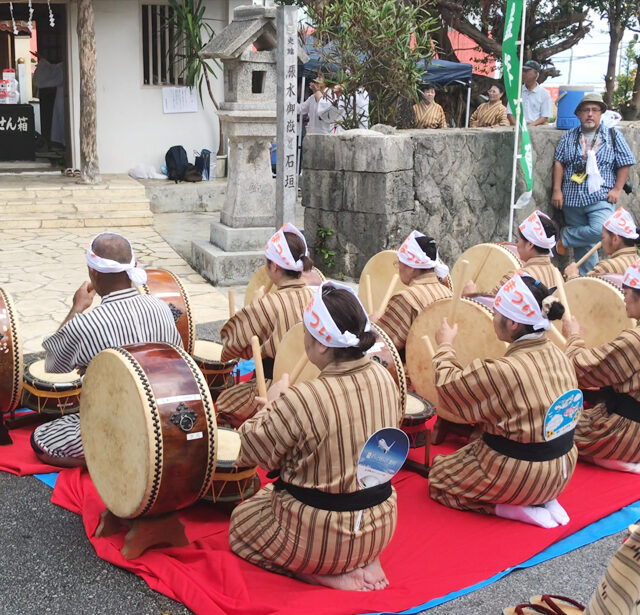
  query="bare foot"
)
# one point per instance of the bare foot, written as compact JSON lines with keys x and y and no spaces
{"x":368,"y":578}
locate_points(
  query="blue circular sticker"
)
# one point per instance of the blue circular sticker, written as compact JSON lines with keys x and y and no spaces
{"x":563,"y":414}
{"x":382,"y":456}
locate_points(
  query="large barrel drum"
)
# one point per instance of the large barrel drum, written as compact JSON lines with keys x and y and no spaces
{"x":11,"y":362}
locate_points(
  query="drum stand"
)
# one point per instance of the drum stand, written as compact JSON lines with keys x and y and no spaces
{"x":443,"y":428}
{"x":144,"y":532}
{"x":5,"y":438}
{"x":416,"y":466}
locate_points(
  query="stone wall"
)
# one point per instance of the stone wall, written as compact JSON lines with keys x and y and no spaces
{"x":372,"y":188}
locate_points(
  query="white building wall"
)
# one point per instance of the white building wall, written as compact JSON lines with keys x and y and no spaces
{"x":132,"y":127}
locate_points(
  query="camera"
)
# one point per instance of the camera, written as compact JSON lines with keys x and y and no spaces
{"x":579,"y":168}
{"x":628,"y":188}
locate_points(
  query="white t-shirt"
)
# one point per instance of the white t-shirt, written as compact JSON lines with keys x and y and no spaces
{"x":328,"y":111}
{"x":316,"y":125}
{"x":536,"y":103}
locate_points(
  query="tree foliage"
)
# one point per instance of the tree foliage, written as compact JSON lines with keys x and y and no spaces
{"x":375,"y":45}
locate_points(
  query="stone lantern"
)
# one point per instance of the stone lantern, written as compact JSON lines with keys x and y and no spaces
{"x":247,"y":49}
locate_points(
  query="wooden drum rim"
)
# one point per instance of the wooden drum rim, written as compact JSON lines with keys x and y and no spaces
{"x":17,"y":359}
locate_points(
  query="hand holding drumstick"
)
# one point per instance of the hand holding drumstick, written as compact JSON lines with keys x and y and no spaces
{"x":446,"y":334}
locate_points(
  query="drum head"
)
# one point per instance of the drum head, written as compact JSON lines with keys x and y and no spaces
{"x":476,"y":339}
{"x":11,"y":359}
{"x":36,"y":375}
{"x":290,"y":351}
{"x":207,"y":351}
{"x":488,"y":263}
{"x":415,"y":405}
{"x":380,"y":268}
{"x":598,"y":306}
{"x":228,"y":447}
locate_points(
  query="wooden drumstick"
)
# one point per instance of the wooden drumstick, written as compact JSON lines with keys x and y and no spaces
{"x":485,"y":258}
{"x":441,"y":410}
{"x":257,"y":358}
{"x":367,"y":293}
{"x":589,"y":253}
{"x":561,"y":294}
{"x":232,"y":303}
{"x":298,"y":368}
{"x":388,"y":294}
{"x":464,"y":267}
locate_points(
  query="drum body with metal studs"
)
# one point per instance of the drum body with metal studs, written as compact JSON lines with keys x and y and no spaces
{"x":166,"y":286}
{"x":148,"y":429}
{"x":219,"y":374}
{"x":48,"y":393}
{"x":11,"y":359}
{"x":488,"y":264}
{"x":419,"y":411}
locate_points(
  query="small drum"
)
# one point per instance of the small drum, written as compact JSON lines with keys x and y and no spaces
{"x":11,"y":361}
{"x":598,"y":305}
{"x":166,"y":286}
{"x":476,"y":340}
{"x":231,"y":483}
{"x":148,"y":428}
{"x":291,"y":348}
{"x":219,"y":374}
{"x":260,"y":278}
{"x":488,"y":263}
{"x":51,"y":394}
{"x":418,"y":412}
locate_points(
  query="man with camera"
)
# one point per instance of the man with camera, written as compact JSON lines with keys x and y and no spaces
{"x":590,"y":171}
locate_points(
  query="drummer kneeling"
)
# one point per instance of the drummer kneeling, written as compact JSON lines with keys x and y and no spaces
{"x":526,"y":402}
{"x":608,"y":434}
{"x":315,"y":523}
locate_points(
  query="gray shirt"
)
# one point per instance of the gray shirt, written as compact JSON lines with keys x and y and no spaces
{"x":536,"y":103}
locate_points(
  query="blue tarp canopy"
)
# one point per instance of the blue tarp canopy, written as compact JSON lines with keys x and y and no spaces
{"x":443,"y":72}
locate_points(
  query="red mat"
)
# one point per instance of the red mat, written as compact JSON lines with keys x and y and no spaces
{"x":19,"y":458}
{"x":434,"y":551}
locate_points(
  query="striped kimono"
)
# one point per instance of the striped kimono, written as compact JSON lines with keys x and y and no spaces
{"x":429,"y":116}
{"x":314,"y":434}
{"x":618,"y":262}
{"x":404,"y":307}
{"x":489,"y":115}
{"x":509,"y":397}
{"x":619,"y":589}
{"x":539,"y":267}
{"x":599,"y":434}
{"x":269,"y":318}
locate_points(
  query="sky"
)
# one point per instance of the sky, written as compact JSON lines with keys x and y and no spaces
{"x":589,"y":57}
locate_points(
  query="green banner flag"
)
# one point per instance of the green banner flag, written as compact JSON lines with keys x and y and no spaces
{"x":511,"y":76}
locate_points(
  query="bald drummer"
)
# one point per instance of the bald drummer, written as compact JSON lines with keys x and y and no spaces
{"x":123,"y":317}
{"x":536,"y":240}
{"x":609,"y":433}
{"x":519,"y":466}
{"x":619,"y":242}
{"x":421,"y":270}
{"x":268,"y":317}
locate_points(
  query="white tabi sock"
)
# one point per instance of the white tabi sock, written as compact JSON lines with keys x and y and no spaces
{"x":534,"y":515}
{"x":558,"y":513}
{"x":616,"y":464}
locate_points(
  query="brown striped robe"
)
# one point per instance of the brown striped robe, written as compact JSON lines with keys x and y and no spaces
{"x":404,"y":307}
{"x":314,"y":434}
{"x":601,"y":435}
{"x":619,"y":589}
{"x":269,"y":318}
{"x":429,"y":116}
{"x":488,"y":115}
{"x":618,"y":262}
{"x":539,"y":267}
{"x":509,"y":397}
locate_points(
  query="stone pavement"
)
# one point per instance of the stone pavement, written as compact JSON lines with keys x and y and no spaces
{"x":42,"y":269}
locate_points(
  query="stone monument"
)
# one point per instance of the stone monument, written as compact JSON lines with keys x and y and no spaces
{"x":247,"y":48}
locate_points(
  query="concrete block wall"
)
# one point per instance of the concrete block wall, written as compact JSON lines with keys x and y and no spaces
{"x":371,"y":189}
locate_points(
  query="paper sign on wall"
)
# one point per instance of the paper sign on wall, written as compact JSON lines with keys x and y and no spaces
{"x":179,"y":100}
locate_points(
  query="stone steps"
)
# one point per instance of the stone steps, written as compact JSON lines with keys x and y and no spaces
{"x":60,"y":202}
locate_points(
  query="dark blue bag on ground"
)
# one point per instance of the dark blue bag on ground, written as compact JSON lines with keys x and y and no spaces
{"x":176,"y":161}
{"x":203,"y":163}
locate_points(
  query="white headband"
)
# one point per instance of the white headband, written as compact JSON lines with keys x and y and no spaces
{"x":533,"y":231}
{"x":412,"y":255}
{"x":319,"y":323}
{"x":104,"y":265}
{"x":515,"y":301}
{"x":277,"y":249}
{"x":632,"y":276}
{"x":621,"y":223}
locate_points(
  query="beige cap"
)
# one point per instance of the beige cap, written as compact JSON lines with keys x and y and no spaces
{"x":591,"y":97}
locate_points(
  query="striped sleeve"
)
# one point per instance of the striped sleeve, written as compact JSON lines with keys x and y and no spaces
{"x":602,"y":267}
{"x":397,"y":320}
{"x":613,"y":363}
{"x":62,"y":349}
